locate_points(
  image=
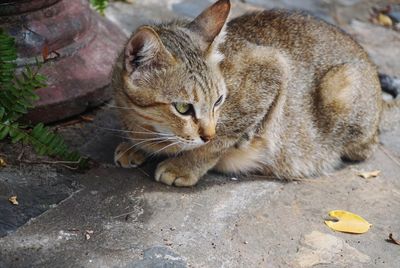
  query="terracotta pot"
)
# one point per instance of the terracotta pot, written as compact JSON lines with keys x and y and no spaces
{"x":81,"y":46}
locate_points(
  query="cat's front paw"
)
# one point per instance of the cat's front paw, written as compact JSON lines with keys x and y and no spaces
{"x":170,"y":172}
{"x":126,"y":157}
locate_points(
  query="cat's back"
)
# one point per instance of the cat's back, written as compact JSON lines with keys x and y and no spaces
{"x":300,"y":35}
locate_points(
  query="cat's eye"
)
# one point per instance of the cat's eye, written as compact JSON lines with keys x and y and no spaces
{"x":219,"y":101}
{"x":183,"y":108}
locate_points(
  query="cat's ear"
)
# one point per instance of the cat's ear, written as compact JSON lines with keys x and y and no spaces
{"x":209,"y":24}
{"x":145,"y":49}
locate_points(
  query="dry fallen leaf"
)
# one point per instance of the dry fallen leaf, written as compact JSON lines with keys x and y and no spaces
{"x":384,"y":20}
{"x":392,"y":240}
{"x":347,"y":222}
{"x":370,"y":174}
{"x":88,"y":233}
{"x":45,"y":52}
{"x":13,"y":200}
{"x":167,"y":242}
{"x":2,"y":162}
{"x":87,"y":118}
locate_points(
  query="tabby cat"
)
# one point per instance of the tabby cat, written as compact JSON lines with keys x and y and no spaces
{"x":274,"y":92}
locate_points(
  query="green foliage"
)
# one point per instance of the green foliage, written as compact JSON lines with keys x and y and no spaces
{"x":17,"y":95}
{"x":99,"y":5}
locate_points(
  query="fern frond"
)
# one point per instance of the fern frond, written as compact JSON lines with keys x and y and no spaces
{"x":16,"y":92}
{"x":4,"y":124}
{"x":17,"y":95}
{"x":43,"y":140}
{"x":8,"y":55}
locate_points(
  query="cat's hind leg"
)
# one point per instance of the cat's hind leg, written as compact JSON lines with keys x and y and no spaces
{"x":127,"y":156}
{"x":360,"y":151}
{"x":350,"y":107}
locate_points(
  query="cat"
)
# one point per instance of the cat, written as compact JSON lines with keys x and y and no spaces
{"x":273,"y":92}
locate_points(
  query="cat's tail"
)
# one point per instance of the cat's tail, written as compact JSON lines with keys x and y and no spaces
{"x":390,"y":85}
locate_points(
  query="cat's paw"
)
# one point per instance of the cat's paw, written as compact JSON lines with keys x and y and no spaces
{"x":125,"y":156}
{"x":170,"y":172}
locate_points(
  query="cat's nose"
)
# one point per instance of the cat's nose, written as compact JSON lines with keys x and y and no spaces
{"x":206,"y":138}
{"x":207,"y":134}
{"x":207,"y":130}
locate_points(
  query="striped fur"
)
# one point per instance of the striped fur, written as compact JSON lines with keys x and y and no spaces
{"x":298,"y":96}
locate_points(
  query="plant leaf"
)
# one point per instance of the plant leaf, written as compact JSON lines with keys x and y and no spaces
{"x":2,"y":162}
{"x":17,"y":95}
{"x":393,"y":240}
{"x":45,"y":52}
{"x":384,"y":20}
{"x":13,"y":200}
{"x":347,"y":222}
{"x":370,"y":174}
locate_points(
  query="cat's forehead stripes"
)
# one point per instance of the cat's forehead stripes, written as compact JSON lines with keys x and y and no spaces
{"x":180,"y":44}
{"x":195,"y":95}
{"x":182,"y":47}
{"x":200,"y":82}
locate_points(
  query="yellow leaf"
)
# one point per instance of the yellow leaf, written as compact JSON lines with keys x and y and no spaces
{"x":347,"y":222}
{"x":371,"y":174}
{"x":2,"y":162}
{"x":384,"y":20}
{"x":13,"y":200}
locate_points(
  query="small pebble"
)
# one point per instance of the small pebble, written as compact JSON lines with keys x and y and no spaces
{"x":234,"y":179}
{"x":395,"y":16}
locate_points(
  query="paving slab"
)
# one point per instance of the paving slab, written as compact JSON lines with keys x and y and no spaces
{"x":248,"y":222}
{"x":37,"y":188}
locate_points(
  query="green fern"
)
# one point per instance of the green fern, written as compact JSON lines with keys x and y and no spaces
{"x":17,"y":96}
{"x":99,"y":5}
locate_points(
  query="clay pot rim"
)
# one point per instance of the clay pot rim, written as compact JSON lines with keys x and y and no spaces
{"x":17,"y":7}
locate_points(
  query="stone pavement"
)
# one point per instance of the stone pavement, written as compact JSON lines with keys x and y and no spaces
{"x":112,"y":217}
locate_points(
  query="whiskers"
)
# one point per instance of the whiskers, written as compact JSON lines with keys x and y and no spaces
{"x":147,"y":132}
{"x":150,"y":141}
{"x":140,"y":143}
{"x":147,"y":143}
{"x":165,"y":147}
{"x":119,"y":107}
